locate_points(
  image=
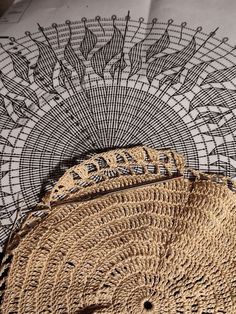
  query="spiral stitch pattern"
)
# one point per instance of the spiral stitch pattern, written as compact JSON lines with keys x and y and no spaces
{"x":154,"y":241}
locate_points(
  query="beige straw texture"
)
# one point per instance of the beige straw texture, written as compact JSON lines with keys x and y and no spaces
{"x":127,"y":231}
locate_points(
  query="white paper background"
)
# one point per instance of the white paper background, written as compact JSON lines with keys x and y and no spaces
{"x":209,"y":14}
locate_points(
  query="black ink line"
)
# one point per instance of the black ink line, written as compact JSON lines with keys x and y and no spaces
{"x":101,"y":27}
{"x":212,"y":50}
{"x":41,"y":29}
{"x":181,"y":32}
{"x":58,"y":41}
{"x":70,"y":33}
{"x":136,"y":31}
{"x":205,"y":41}
{"x":123,"y":44}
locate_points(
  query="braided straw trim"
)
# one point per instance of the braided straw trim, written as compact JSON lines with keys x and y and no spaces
{"x":129,"y":165}
{"x":124,"y":165}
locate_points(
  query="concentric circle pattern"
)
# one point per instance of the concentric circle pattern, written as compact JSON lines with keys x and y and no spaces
{"x":76,"y":88}
{"x":166,"y":247}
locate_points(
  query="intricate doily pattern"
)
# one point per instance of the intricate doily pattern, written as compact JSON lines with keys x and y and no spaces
{"x":72,"y":89}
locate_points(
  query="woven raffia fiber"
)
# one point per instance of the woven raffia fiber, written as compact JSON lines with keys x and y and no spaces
{"x":127,"y":231}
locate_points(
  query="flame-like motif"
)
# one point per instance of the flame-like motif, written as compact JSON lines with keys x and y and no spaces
{"x":17,"y":110}
{"x":43,"y":73}
{"x":214,"y":97}
{"x":88,"y":43}
{"x":72,"y":58}
{"x":18,"y":89}
{"x":192,"y":76}
{"x":20,"y":65}
{"x":219,"y":76}
{"x":135,"y":56}
{"x":171,"y":61}
{"x":107,"y":52}
{"x":160,"y":45}
{"x":64,"y":74}
{"x":119,"y":64}
{"x":171,"y":79}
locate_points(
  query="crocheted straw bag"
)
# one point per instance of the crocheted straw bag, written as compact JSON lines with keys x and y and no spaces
{"x":127,"y":231}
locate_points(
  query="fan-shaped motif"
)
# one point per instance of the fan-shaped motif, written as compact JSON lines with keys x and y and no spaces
{"x":76,"y":88}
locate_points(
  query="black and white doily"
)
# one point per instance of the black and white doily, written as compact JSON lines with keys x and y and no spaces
{"x":71,"y":89}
